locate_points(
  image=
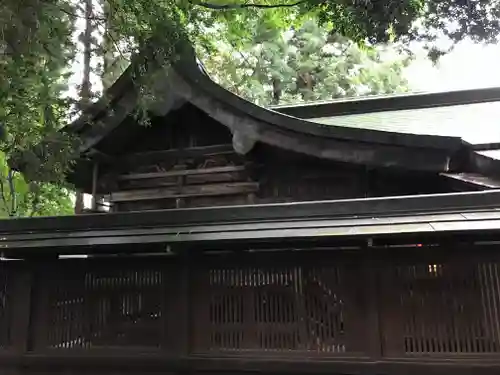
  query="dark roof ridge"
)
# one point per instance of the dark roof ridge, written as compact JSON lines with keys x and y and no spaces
{"x":390,"y":102}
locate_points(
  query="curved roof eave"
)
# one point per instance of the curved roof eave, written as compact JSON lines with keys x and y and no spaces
{"x":362,"y":146}
{"x":256,"y":125}
{"x":188,"y":69}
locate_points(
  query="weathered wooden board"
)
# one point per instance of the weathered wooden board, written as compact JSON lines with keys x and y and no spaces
{"x":185,"y":191}
{"x":180,"y":173}
{"x":155,"y":156}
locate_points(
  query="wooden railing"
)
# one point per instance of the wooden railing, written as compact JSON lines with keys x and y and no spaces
{"x":388,"y":312}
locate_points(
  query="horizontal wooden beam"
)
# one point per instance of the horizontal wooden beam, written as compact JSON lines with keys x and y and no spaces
{"x":179,"y":173}
{"x":154,"y":156}
{"x":152,"y":183}
{"x":185,"y":192}
{"x":137,"y":362}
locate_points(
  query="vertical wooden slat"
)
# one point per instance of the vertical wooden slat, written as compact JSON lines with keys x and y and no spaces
{"x":272,"y":306}
{"x":250,"y":311}
{"x":87,"y":304}
{"x":447,"y":306}
{"x":335,"y":305}
{"x":496,"y":287}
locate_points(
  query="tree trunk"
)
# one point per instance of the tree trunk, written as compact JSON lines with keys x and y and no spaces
{"x":86,"y":87}
{"x":276,"y":91}
{"x":79,"y":205}
{"x":108,"y":57}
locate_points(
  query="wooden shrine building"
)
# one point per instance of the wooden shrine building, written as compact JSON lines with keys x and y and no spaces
{"x":351,"y":237}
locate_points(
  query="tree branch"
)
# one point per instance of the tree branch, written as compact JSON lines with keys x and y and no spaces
{"x":35,"y":204}
{"x":114,"y":41}
{"x":13,"y":200}
{"x":249,"y":5}
{"x":4,"y":198}
{"x":111,"y":37}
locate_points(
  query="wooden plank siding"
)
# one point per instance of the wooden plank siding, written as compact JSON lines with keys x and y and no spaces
{"x":413,"y":310}
{"x":217,"y":176}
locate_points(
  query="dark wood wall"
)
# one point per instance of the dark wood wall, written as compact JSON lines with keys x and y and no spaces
{"x":410,"y":310}
{"x":187,"y":160}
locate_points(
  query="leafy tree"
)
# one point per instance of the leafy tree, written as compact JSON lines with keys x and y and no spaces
{"x":384,"y":20}
{"x":35,"y":51}
{"x":304,"y":65}
{"x":21,"y":198}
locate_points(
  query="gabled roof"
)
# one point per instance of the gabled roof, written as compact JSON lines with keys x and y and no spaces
{"x":340,"y":131}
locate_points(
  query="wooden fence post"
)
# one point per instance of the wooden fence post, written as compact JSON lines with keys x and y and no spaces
{"x":177,"y":318}
{"x":20,"y":301}
{"x":372,"y":271}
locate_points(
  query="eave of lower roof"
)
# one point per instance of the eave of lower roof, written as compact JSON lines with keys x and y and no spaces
{"x":208,"y":234}
{"x":444,"y":214}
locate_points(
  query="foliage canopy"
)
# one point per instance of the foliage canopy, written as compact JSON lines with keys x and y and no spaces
{"x":306,"y":64}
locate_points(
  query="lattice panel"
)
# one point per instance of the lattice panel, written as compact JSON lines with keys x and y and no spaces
{"x":276,"y":309}
{"x":4,"y":306}
{"x":443,"y":308}
{"x":106,"y":307}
